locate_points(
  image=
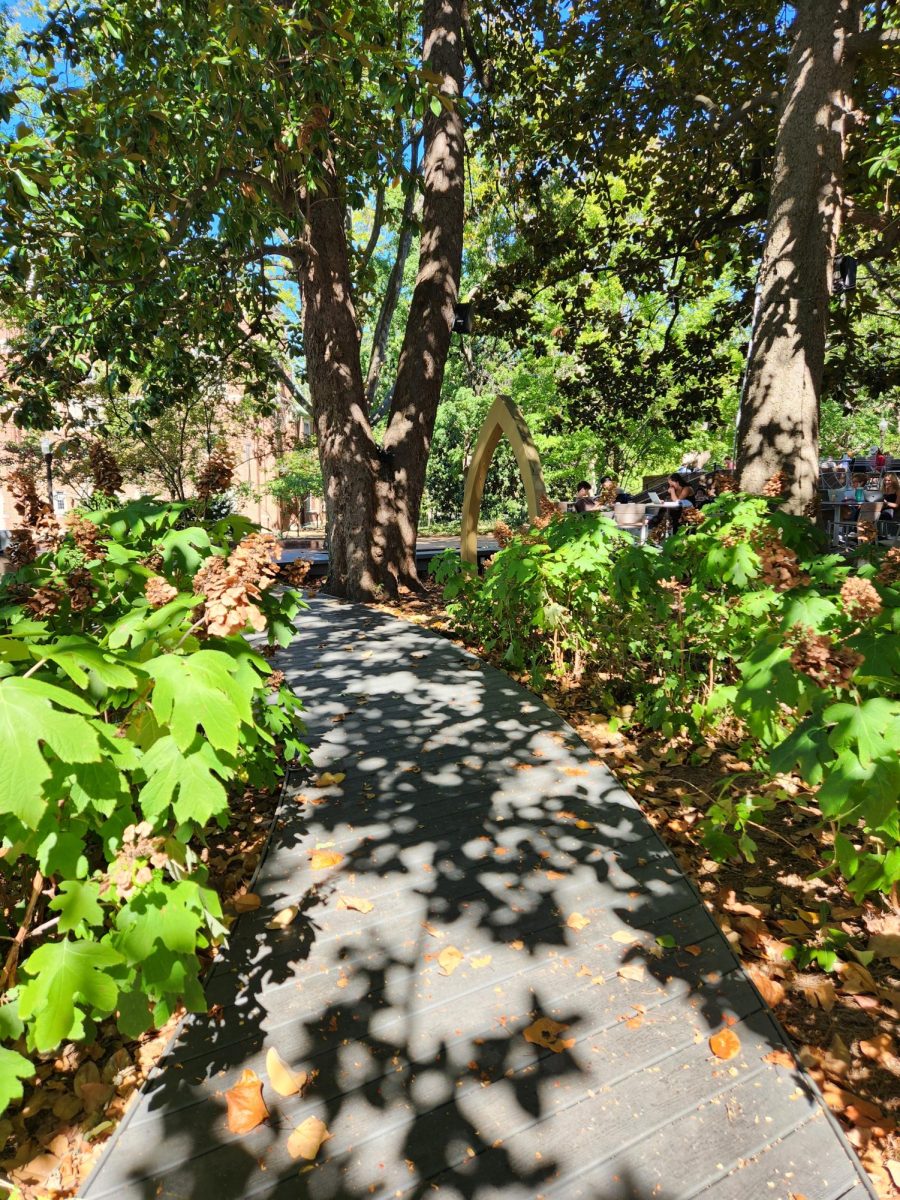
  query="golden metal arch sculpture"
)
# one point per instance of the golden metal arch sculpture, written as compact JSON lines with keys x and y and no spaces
{"x":503,"y":419}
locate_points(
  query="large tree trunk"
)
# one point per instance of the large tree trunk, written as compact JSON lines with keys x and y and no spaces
{"x":373,"y":495}
{"x":778,"y":429}
{"x":426,"y":342}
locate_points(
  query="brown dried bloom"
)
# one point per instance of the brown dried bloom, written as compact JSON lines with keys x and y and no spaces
{"x":216,"y":475}
{"x":889,"y":571}
{"x":294,"y":573}
{"x":23,"y":489}
{"x":776,"y":486}
{"x":276,"y":680}
{"x":86,"y":536}
{"x":137,"y":844}
{"x":105,"y":470}
{"x":231,"y":585}
{"x":503,"y":534}
{"x":866,"y":533}
{"x":692,"y":516}
{"x":779,"y":564}
{"x":44,"y":601}
{"x":607,"y":494}
{"x":723,"y":483}
{"x":81,"y":589}
{"x":859,"y":598}
{"x":21,"y":549}
{"x":816,"y":655}
{"x":548,"y":512}
{"x":159,"y":591}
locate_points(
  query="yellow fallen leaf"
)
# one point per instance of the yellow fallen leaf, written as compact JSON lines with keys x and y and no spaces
{"x":546,"y":1032}
{"x":725,"y":1044}
{"x":580,"y":824}
{"x":246,"y":1107}
{"x":285,"y":1081}
{"x":449,"y":959}
{"x":246,"y":903}
{"x":577,"y":922}
{"x":327,"y":779}
{"x":625,"y":936}
{"x":483,"y":961}
{"x":308,"y":1138}
{"x":356,"y":903}
{"x":879,"y":1048}
{"x":283,"y":917}
{"x":632,"y":971}
{"x":321,"y":860}
{"x":430,"y":929}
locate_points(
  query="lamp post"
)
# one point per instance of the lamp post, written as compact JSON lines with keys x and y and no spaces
{"x":47,"y":452}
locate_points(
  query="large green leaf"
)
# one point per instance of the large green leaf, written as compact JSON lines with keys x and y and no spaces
{"x":190,"y":781}
{"x":13,"y":1069}
{"x":199,"y":690}
{"x":78,"y":904}
{"x":28,"y":722}
{"x":81,"y":657}
{"x":871,"y":727}
{"x":65,"y":973}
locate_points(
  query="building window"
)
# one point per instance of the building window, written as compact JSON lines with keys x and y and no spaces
{"x":59,"y":501}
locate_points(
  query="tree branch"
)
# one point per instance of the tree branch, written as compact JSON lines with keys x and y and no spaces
{"x":868,"y":41}
{"x":377,"y":217}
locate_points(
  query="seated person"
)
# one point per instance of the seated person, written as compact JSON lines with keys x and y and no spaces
{"x":584,"y":501}
{"x":681,"y":496}
{"x":621,"y":496}
{"x":890,"y":509}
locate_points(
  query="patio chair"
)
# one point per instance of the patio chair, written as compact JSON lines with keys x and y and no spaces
{"x":631,"y":519}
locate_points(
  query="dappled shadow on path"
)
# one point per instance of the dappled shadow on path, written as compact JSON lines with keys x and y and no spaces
{"x":510,"y":879}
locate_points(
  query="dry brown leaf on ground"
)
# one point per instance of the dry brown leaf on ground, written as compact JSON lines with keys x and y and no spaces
{"x":329,"y":779}
{"x":283,"y":917}
{"x":449,"y":959}
{"x":780,"y":1058}
{"x":247,"y":902}
{"x":308,"y":1138}
{"x":431,"y":930}
{"x":818,"y":991}
{"x":546,"y":1032}
{"x":770,"y":989}
{"x":246,"y":1107}
{"x":725,"y":1044}
{"x":285,"y":1081}
{"x":625,"y":936}
{"x":857,"y":980}
{"x":633,"y":971}
{"x":577,"y":922}
{"x":356,"y":903}
{"x":484,"y":961}
{"x":321,"y":860}
{"x":879,"y":1049}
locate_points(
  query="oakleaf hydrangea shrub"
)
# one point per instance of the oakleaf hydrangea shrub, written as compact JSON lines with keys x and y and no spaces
{"x":743,"y":615}
{"x":131,"y":707}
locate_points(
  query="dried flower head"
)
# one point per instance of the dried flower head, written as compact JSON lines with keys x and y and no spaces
{"x":23,"y":489}
{"x":779,"y":565}
{"x":216,"y":475}
{"x":45,"y":601}
{"x":776,"y":486}
{"x":503,"y":534}
{"x":86,"y":536}
{"x":80,"y":585}
{"x":230,"y":586}
{"x":105,"y":470}
{"x":866,"y":533}
{"x":889,"y":570}
{"x":21,"y":548}
{"x":816,"y":655}
{"x":276,"y":680}
{"x":607,"y":494}
{"x":859,"y":598}
{"x":294,"y":573}
{"x":159,"y":591}
{"x":693,"y":516}
{"x":723,"y":482}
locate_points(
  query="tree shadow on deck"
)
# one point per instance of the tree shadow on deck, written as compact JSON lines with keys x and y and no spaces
{"x":474,"y":821}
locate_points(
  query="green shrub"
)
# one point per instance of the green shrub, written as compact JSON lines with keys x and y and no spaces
{"x":130,"y":705}
{"x":740,"y":615}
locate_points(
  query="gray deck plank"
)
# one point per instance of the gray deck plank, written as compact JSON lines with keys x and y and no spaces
{"x":471,"y":816}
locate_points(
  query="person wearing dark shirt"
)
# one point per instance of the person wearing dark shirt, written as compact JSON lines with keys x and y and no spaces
{"x":584,"y":501}
{"x":890,"y":509}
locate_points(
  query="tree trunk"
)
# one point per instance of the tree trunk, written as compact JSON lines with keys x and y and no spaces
{"x":373,"y":495}
{"x":426,"y":341}
{"x":395,"y":281}
{"x":778,"y":429}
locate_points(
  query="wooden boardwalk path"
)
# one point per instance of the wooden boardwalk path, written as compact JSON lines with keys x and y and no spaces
{"x":473,"y":820}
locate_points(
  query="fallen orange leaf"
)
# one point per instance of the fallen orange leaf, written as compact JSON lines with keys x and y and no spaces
{"x":545,"y":1032}
{"x":283,"y":917}
{"x":484,"y":961}
{"x":780,"y":1058}
{"x":246,"y":1107}
{"x":430,"y":929}
{"x":285,"y":1081}
{"x":878,"y":1048}
{"x":449,"y":959}
{"x":725,"y":1044}
{"x":554,"y":874}
{"x":577,"y":922}
{"x":321,"y":860}
{"x":246,"y":902}
{"x":575,"y":771}
{"x":327,"y":779}
{"x":770,"y":989}
{"x":356,"y":903}
{"x":694,"y":950}
{"x":308,"y":1138}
